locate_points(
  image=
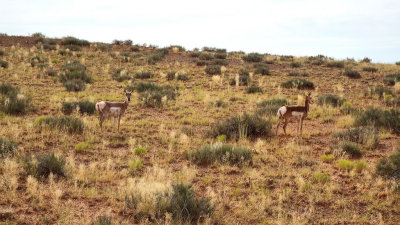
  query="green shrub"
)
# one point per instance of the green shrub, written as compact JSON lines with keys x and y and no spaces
{"x":317,"y":60}
{"x":74,"y":85}
{"x":3,"y":64}
{"x":120,"y":75}
{"x":86,"y":107}
{"x":74,"y":41}
{"x":320,"y":178}
{"x":295,"y":64}
{"x":220,"y":55}
{"x":327,"y":158}
{"x":388,"y":119}
{"x":350,"y":148}
{"x":1,"y":52}
{"x":253,"y":57}
{"x":102,"y":220}
{"x":7,"y":147}
{"x":213,"y":69}
{"x":366,"y":60}
{"x":153,"y":59}
{"x":221,"y":62}
{"x":244,"y":72}
{"x":223,"y":153}
{"x":295,"y":73}
{"x":388,"y":167}
{"x":201,"y":63}
{"x":182,"y":77}
{"x":334,"y":63}
{"x":379,"y":91}
{"x":270,"y":107}
{"x":244,"y":80}
{"x":261,"y":69}
{"x":171,"y":75}
{"x":360,"y":166}
{"x":366,"y":136}
{"x":352,"y":73}
{"x":68,"y":108}
{"x":104,"y":47}
{"x":12,"y":103}
{"x":195,"y":54}
{"x":143,"y":75}
{"x":206,"y":56}
{"x":242,"y":126}
{"x":65,"y":123}
{"x":398,"y":63}
{"x":140,"y":151}
{"x":36,"y":61}
{"x":74,"y":77}
{"x":186,"y":207}
{"x":180,"y":202}
{"x":286,"y":58}
{"x":391,"y":79}
{"x":331,"y":99}
{"x":253,"y":89}
{"x":346,"y":164}
{"x":82,"y":147}
{"x":44,"y":165}
{"x":370,"y":69}
{"x":300,"y":84}
{"x":152,"y":95}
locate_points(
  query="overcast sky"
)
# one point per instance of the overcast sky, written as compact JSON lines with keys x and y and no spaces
{"x":338,"y":28}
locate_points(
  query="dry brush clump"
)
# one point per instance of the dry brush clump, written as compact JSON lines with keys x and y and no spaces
{"x":153,"y":95}
{"x":242,"y":126}
{"x":222,"y":153}
{"x":13,"y":102}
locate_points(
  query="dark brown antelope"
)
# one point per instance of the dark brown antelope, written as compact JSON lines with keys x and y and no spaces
{"x":114,"y":109}
{"x":285,"y":113}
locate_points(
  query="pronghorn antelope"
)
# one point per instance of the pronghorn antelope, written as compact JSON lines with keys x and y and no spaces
{"x":114,"y":109}
{"x":285,"y":113}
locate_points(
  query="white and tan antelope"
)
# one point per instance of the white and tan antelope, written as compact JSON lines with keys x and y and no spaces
{"x":114,"y":109}
{"x":286,"y":113}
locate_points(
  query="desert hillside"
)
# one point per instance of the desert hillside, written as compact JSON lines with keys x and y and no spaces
{"x":197,"y":142}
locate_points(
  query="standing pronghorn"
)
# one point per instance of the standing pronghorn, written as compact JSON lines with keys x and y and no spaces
{"x":285,"y":113}
{"x":114,"y":109}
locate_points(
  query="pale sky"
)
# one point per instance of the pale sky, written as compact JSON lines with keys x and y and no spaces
{"x":338,"y":28}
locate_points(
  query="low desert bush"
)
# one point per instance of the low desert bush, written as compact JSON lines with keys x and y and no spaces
{"x":352,"y":73}
{"x":253,"y":57}
{"x":41,"y":166}
{"x":213,"y":69}
{"x":350,"y":148}
{"x":261,"y":69}
{"x":387,"y":119}
{"x":74,"y":77}
{"x":64,"y":123}
{"x":369,"y":69}
{"x":7,"y":147}
{"x":178,"y":200}
{"x":223,"y":153}
{"x":12,"y":102}
{"x":320,"y":178}
{"x":121,"y":75}
{"x":295,"y":64}
{"x":388,"y":167}
{"x":206,"y":56}
{"x":143,"y":75}
{"x":270,"y":107}
{"x":331,"y":99}
{"x":391,"y":79}
{"x":3,"y":64}
{"x":74,"y":41}
{"x":253,"y":89}
{"x":300,"y":84}
{"x":366,"y":136}
{"x":153,"y":95}
{"x":335,"y":63}
{"x":242,"y":126}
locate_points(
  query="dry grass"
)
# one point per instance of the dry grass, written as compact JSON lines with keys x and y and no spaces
{"x":290,"y":180}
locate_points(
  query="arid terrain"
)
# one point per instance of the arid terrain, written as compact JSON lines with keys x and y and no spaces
{"x":111,"y":177}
